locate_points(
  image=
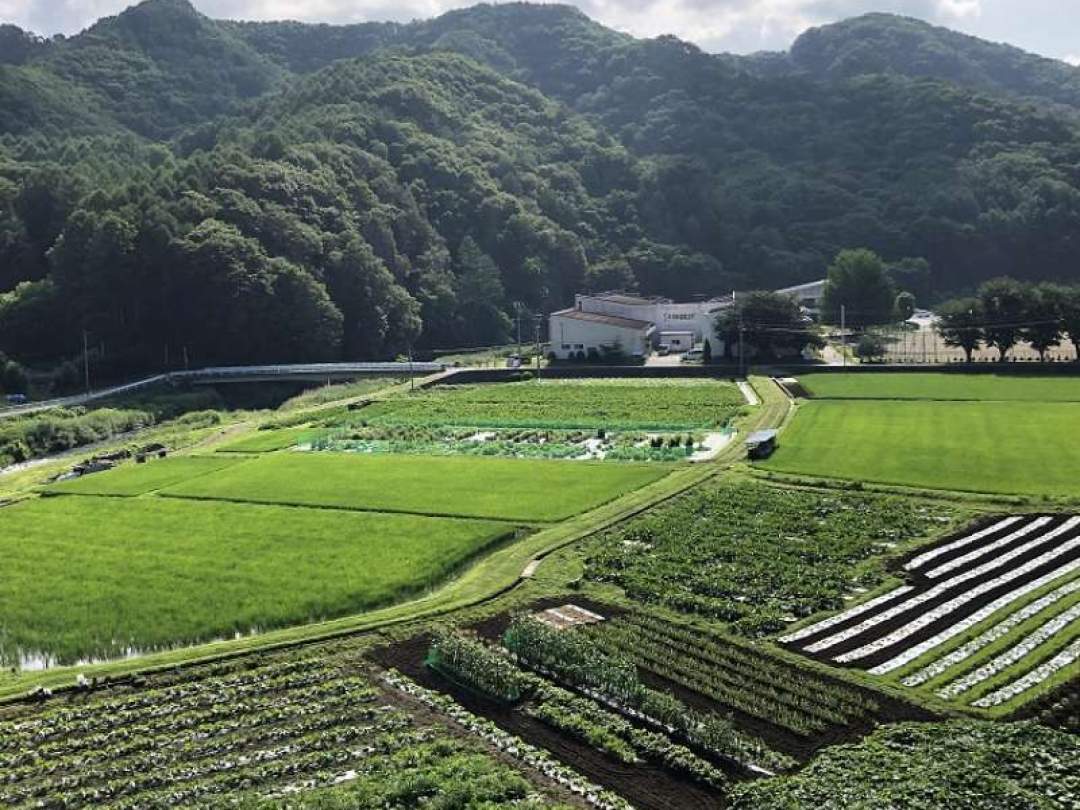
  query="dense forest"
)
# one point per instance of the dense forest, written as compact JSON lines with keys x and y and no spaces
{"x":189,"y":190}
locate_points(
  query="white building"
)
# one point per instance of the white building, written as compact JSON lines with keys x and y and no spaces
{"x":635,"y":324}
{"x":808,"y":295}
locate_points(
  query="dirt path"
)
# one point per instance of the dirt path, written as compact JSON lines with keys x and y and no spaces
{"x":748,"y":392}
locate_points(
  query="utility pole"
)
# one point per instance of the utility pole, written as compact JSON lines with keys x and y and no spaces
{"x":518,"y":306}
{"x":412,"y":380}
{"x":86,"y":360}
{"x":538,"y":319}
{"x":742,"y":345}
{"x":843,"y":335}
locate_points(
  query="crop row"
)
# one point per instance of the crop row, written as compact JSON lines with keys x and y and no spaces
{"x":915,"y":602}
{"x":920,"y":560}
{"x":179,"y":730}
{"x":470,"y":661}
{"x":1023,"y":648}
{"x":928,"y":617}
{"x":914,"y":597}
{"x":109,"y":781}
{"x":997,"y":545}
{"x":730,"y":680}
{"x":520,"y":750}
{"x":142,"y":707}
{"x":941,"y":665}
{"x":585,"y":719}
{"x":829,"y":696}
{"x":961,"y":626}
{"x":315,"y":762}
{"x":1065,"y":658}
{"x":573,"y":658}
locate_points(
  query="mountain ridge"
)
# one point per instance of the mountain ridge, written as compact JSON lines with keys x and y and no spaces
{"x":336,"y":168}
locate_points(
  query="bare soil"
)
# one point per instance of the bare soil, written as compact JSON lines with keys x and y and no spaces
{"x":646,"y":786}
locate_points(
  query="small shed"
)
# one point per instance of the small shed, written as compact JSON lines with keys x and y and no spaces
{"x":760,"y":444}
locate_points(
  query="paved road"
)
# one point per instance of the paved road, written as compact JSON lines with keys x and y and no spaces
{"x":225,"y":374}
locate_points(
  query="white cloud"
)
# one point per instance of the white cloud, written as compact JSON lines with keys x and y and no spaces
{"x":1073,"y":59}
{"x":715,"y":25}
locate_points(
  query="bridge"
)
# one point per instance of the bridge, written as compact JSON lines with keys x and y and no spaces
{"x":218,"y":375}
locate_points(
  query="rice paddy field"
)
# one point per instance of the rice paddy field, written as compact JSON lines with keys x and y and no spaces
{"x":976,"y":433}
{"x":980,"y":387}
{"x":526,"y":491}
{"x":91,"y":577}
{"x":139,"y":479}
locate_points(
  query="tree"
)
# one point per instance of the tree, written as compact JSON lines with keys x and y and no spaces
{"x":14,"y":379}
{"x":904,"y":306}
{"x":706,"y":352}
{"x":770,"y":323}
{"x":870,"y":347}
{"x":1070,"y":315}
{"x":857,"y":281}
{"x":1046,"y":308}
{"x":480,"y":297}
{"x":912,"y":275}
{"x":1005,"y":306}
{"x":960,"y":324}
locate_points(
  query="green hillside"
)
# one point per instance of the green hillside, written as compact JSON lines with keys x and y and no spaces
{"x":169,"y":182}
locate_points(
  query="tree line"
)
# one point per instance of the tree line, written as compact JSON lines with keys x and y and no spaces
{"x":1005,"y":312}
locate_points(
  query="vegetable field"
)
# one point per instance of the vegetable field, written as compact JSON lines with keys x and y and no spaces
{"x":792,"y":709}
{"x":214,"y":735}
{"x":759,"y":556}
{"x":988,"y":618}
{"x":975,"y":765}
{"x":606,"y":403}
{"x":90,"y":577}
{"x":504,"y":489}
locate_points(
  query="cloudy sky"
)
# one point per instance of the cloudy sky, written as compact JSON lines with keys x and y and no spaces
{"x":1049,"y":27}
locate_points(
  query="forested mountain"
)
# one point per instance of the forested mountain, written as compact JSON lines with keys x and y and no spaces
{"x":277,"y":191}
{"x":884,"y":43}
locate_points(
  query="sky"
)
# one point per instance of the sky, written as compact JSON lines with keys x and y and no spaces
{"x":1048,"y":27}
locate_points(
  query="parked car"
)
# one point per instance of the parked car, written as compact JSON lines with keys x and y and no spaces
{"x":692,"y":355}
{"x":663,"y":350}
{"x":16,"y":399}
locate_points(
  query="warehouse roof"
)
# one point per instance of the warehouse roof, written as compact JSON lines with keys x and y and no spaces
{"x":761,"y":436}
{"x":596,"y":317}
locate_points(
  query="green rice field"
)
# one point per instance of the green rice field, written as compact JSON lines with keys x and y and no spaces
{"x":138,"y":479}
{"x":85,"y":576}
{"x":943,"y":386}
{"x":998,"y":447}
{"x":607,"y":403}
{"x":529,"y":491}
{"x":266,"y":441}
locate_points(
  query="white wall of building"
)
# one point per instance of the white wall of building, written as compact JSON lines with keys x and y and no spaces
{"x":569,"y":335}
{"x":668,"y":316}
